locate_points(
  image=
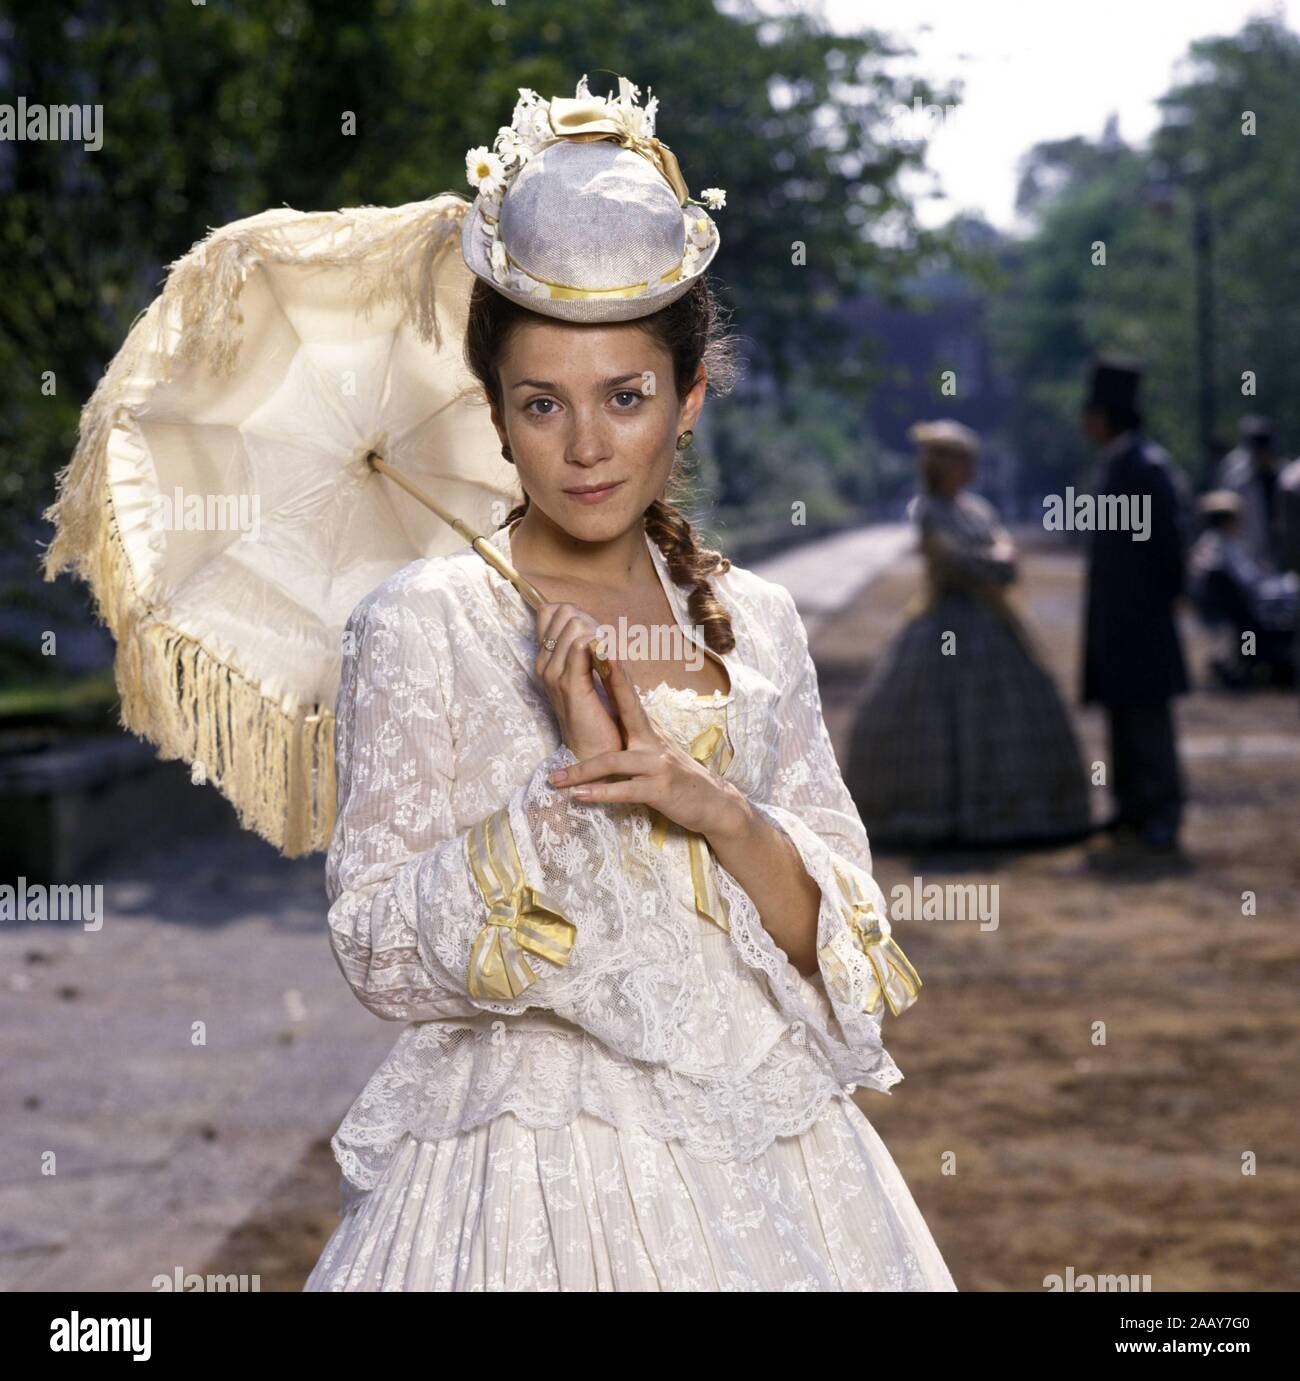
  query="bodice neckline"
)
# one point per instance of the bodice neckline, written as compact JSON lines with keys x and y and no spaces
{"x":687,"y":694}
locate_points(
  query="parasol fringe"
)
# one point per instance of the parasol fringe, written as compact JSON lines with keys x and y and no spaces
{"x":187,"y":702}
{"x":276,"y":769}
{"x":402,"y":263}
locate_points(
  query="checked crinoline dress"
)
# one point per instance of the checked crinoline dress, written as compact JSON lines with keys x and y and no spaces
{"x":960,"y":736}
{"x":676,"y":1122}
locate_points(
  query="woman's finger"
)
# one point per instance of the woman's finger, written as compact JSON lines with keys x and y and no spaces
{"x":571,"y":650}
{"x":618,"y":762}
{"x":632,"y":791}
{"x":548,"y":621}
{"x":626,"y":700}
{"x":560,"y":628}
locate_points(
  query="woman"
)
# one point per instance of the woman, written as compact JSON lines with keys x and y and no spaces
{"x":619,"y":1072}
{"x":961,"y":737}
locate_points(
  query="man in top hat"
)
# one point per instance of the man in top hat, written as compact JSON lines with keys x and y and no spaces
{"x":1133,"y":660}
{"x":1250,"y":470}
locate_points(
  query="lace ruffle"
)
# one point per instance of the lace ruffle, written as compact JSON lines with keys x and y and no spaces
{"x":439,"y":1081}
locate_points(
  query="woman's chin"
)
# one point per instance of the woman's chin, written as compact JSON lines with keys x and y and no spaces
{"x":594,"y":522}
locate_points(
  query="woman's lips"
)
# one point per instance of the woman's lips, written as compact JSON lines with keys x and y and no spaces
{"x":594,"y":495}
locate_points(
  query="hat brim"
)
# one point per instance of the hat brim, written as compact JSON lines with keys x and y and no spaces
{"x":581,"y":309}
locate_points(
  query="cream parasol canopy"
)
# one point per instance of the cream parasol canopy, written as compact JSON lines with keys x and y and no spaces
{"x":247,"y":470}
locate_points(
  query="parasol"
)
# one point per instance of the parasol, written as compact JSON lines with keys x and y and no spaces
{"x":227,"y":500}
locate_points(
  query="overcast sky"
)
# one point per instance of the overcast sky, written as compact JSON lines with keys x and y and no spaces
{"x":1035,"y":70}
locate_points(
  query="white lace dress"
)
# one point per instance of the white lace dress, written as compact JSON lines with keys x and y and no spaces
{"x":589,"y":1205}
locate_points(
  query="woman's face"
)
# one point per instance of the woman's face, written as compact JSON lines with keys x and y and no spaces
{"x":952,"y":471}
{"x":592,"y":405}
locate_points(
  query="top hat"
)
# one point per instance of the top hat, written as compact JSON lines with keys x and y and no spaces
{"x":1114,"y":383}
{"x":1255,"y":427}
{"x":582,"y":214}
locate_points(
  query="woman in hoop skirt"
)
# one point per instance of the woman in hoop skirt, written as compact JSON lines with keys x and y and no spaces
{"x":630,"y":928}
{"x":961,"y":737}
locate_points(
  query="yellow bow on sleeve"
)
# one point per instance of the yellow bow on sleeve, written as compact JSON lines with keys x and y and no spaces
{"x":519,"y":918}
{"x":895,"y":981}
{"x":711,"y":748}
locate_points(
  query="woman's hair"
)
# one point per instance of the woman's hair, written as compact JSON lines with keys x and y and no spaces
{"x":934,"y":458}
{"x":692,"y":330}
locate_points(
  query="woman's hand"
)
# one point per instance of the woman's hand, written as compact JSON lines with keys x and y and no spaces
{"x":1003,"y":548}
{"x":586,"y":725}
{"x":654,"y":771}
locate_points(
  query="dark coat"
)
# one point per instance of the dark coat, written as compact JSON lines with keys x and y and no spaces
{"x":1132,"y":654}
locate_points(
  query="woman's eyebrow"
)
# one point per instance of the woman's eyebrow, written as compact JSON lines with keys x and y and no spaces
{"x":604,"y":383}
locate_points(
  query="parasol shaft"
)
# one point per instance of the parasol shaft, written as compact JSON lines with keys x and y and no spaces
{"x":532,"y":595}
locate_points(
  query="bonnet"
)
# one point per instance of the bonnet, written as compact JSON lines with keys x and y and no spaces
{"x":582,"y":213}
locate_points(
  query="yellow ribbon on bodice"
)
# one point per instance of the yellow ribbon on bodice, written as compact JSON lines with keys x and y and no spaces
{"x":584,"y":118}
{"x":895,"y":981}
{"x":712,"y":748}
{"x":519,"y":920}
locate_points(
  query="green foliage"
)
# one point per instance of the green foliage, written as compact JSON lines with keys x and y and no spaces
{"x":1143,"y":205}
{"x":214,"y":112}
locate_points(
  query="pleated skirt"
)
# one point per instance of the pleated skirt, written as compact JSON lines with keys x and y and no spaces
{"x":589,"y":1206}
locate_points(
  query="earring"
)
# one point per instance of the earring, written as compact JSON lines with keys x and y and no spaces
{"x":685,"y":439}
{"x":505,"y":451}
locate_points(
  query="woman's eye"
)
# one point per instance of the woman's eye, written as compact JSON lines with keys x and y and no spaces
{"x":628,"y":393}
{"x":540,"y":400}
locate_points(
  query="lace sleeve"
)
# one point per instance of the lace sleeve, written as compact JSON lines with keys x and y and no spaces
{"x":861,"y":970}
{"x":529,"y":908}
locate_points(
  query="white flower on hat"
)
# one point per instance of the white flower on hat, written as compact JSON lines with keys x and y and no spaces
{"x":714,"y":198}
{"x":528,"y":101}
{"x":500,"y":264}
{"x":701,"y":232}
{"x":514,"y":153}
{"x":531,"y":121}
{"x":484,"y":170}
{"x":531,"y":286}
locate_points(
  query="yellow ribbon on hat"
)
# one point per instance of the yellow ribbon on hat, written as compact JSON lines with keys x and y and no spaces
{"x":584,"y":118}
{"x":520,"y":919}
{"x":711,"y":748}
{"x":895,"y":981}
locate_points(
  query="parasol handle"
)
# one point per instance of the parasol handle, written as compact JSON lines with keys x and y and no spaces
{"x":533,"y":597}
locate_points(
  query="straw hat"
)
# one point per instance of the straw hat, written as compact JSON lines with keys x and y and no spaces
{"x":1219,"y":501}
{"x":945,"y":435}
{"x":582,"y":214}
